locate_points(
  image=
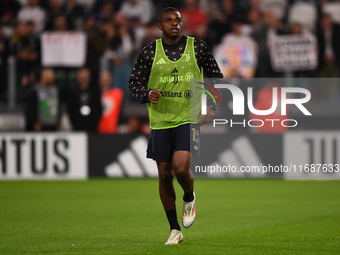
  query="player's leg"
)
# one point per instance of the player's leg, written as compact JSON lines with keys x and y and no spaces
{"x":166,"y":187}
{"x":168,"y":198}
{"x":186,"y":141}
{"x":160,"y":150}
{"x":181,"y":166}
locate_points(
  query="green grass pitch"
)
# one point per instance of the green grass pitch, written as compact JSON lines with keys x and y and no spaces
{"x":125,"y":216}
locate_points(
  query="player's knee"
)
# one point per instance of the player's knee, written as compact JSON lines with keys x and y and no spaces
{"x":181,"y":172}
{"x":165,"y":175}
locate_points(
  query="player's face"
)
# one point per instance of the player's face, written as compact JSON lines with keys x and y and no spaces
{"x":171,"y":24}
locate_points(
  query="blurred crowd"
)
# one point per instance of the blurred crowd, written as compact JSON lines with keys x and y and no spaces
{"x":117,"y":30}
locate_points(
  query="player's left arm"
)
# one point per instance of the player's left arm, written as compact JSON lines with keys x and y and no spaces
{"x":206,"y":60}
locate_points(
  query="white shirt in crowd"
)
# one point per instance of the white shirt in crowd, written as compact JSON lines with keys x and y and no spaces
{"x":35,"y":14}
{"x":141,"y":10}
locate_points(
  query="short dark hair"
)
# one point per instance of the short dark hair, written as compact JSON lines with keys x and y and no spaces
{"x":167,"y":9}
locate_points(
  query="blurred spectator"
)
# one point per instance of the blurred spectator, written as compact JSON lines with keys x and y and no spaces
{"x":134,"y":15}
{"x":76,"y":13}
{"x":201,"y":32}
{"x":228,"y":14}
{"x":261,"y":34}
{"x":104,"y":10}
{"x":304,"y":13}
{"x":98,"y":41}
{"x":8,"y":12}
{"x":55,"y":11}
{"x":151,"y":33}
{"x":331,"y":8}
{"x":27,"y":86}
{"x":329,"y":58}
{"x":111,"y":99}
{"x":221,"y":26}
{"x":296,"y":29}
{"x":137,"y":12}
{"x":60,"y":23}
{"x":255,"y":4}
{"x":192,"y":16}
{"x":253,"y":18}
{"x":88,"y":24}
{"x":329,"y":52}
{"x":84,"y":105}
{"x":237,"y":52}
{"x":3,"y":67}
{"x":107,"y":11}
{"x":277,"y":7}
{"x":120,"y":50}
{"x":211,"y":9}
{"x":25,"y":48}
{"x":87,"y":3}
{"x":33,"y":12}
{"x":42,"y":103}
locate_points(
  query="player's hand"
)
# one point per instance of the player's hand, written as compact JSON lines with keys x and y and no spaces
{"x":154,"y":96}
{"x":208,"y":117}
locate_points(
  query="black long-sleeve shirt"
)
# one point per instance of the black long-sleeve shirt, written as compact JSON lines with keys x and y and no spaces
{"x":77,"y":100}
{"x":141,"y":71}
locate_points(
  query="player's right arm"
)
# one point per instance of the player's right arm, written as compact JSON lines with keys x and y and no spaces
{"x":138,"y":83}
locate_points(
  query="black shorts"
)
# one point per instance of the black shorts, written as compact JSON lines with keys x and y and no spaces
{"x":163,"y":143}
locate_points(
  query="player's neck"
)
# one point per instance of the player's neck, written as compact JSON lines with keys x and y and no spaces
{"x":171,"y":41}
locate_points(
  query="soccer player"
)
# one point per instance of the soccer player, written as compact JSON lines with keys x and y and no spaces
{"x":161,"y":78}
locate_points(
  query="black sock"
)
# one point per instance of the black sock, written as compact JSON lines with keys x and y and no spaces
{"x":188,"y":196}
{"x":172,"y":218}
